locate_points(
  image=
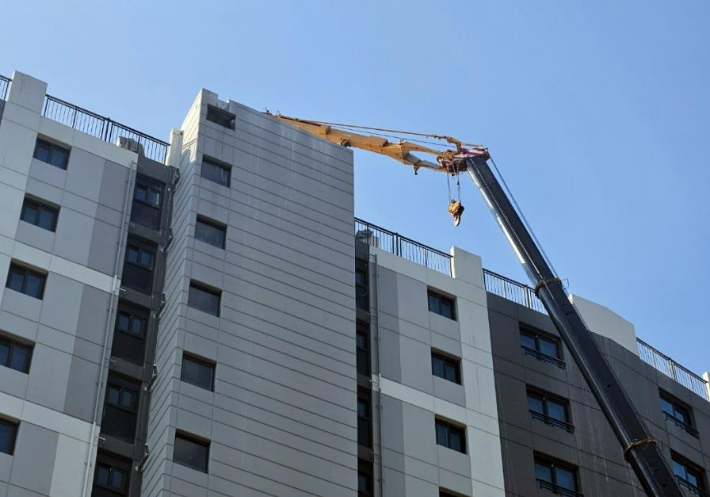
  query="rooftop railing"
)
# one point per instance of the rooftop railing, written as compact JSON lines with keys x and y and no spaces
{"x":512,"y":290}
{"x":4,"y":85}
{"x":401,"y":246}
{"x":101,"y":127}
{"x":672,"y":369}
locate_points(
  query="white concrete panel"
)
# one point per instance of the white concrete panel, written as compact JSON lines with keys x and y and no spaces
{"x":54,"y":264}
{"x":69,"y":466}
{"x":605,"y":322}
{"x":27,"y":91}
{"x":10,"y":207}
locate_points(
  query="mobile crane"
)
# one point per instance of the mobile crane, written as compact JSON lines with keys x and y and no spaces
{"x":640,"y":449}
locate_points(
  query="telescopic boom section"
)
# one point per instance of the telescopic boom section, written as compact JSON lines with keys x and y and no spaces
{"x":640,"y":449}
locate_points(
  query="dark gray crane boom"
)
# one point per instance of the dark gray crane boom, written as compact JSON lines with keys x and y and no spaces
{"x":640,"y":448}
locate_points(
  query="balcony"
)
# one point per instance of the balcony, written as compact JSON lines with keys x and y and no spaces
{"x":512,"y":290}
{"x":94,"y":124}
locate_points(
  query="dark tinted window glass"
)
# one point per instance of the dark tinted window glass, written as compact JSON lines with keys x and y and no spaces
{"x":215,"y":172}
{"x":535,"y":404}
{"x":51,"y":153}
{"x":197,"y":372}
{"x":26,"y":280}
{"x":30,"y":213}
{"x":439,"y":304}
{"x":445,"y":367}
{"x":114,"y":395}
{"x":450,"y":436}
{"x":190,"y":453}
{"x":543,"y":472}
{"x":548,"y":347}
{"x":209,"y":232}
{"x":556,"y":410}
{"x":527,"y":341}
{"x":14,"y":355}
{"x":363,"y":482}
{"x":103,"y":475}
{"x":139,"y":256}
{"x":204,"y":300}
{"x":148,"y":195}
{"x":565,"y":478}
{"x":118,"y":479}
{"x":8,"y":432}
{"x":667,"y":406}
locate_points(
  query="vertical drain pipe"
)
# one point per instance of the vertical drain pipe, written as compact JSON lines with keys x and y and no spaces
{"x":375,"y":328}
{"x":107,"y":330}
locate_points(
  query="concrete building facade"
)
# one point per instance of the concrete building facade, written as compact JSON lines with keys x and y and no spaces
{"x":198,"y":318}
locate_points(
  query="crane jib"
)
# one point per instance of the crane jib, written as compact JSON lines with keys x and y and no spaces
{"x":639,"y":447}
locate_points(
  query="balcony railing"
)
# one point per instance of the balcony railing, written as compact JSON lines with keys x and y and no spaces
{"x":548,"y":420}
{"x":4,"y":85}
{"x":101,"y":127}
{"x":681,"y":424}
{"x":691,"y":488}
{"x":556,"y":489}
{"x":408,"y":249}
{"x":672,"y":369}
{"x":544,"y":357}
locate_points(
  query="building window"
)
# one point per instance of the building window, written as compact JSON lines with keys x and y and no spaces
{"x":557,"y":477}
{"x":688,"y":474}
{"x":213,"y":171}
{"x":8,"y":434}
{"x":451,"y":436}
{"x":361,"y":289}
{"x":364,"y":422}
{"x":446,"y":367}
{"x":442,"y":305}
{"x":129,"y":338}
{"x":15,"y":355}
{"x":541,"y":346}
{"x":148,"y":195}
{"x":210,"y":232}
{"x":191,"y":452}
{"x":364,"y":479}
{"x":111,"y":477}
{"x":363,"y":348}
{"x":26,"y":280}
{"x":140,"y":256}
{"x":221,"y":117}
{"x":51,"y":153}
{"x":147,"y":202}
{"x":204,"y":299}
{"x":121,"y":407}
{"x":549,"y":409}
{"x":197,"y":372}
{"x":677,"y":413}
{"x":39,"y":214}
{"x":138,"y":269}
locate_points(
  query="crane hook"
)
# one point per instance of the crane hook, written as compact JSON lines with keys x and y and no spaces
{"x":456,"y":210}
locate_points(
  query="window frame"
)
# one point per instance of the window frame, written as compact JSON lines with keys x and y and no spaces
{"x":210,"y":223}
{"x":362,"y":330}
{"x":141,"y":185}
{"x":545,"y":398}
{"x":14,"y":429}
{"x":111,"y":470}
{"x":697,"y":472}
{"x":205,"y":289}
{"x":187,"y":356}
{"x":537,"y":335}
{"x":52,"y":147}
{"x":122,"y":389}
{"x":364,"y":397}
{"x":17,"y":267}
{"x":446,"y":360}
{"x":131,"y":244}
{"x":364,"y":469}
{"x":440,"y":297}
{"x":12,"y":344}
{"x":217,"y":164}
{"x":553,"y":465}
{"x":40,"y":205}
{"x":681,"y":407}
{"x":179,"y":434}
{"x":451,"y":428}
{"x":131,"y":317}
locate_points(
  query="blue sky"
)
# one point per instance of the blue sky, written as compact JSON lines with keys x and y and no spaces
{"x":596,"y":113}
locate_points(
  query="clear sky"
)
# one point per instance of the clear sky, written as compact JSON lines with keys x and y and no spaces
{"x":596,"y":113}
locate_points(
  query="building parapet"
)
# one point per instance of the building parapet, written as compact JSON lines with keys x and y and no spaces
{"x":514,"y":291}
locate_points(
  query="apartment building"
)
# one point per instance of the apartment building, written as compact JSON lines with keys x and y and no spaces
{"x":199,"y":318}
